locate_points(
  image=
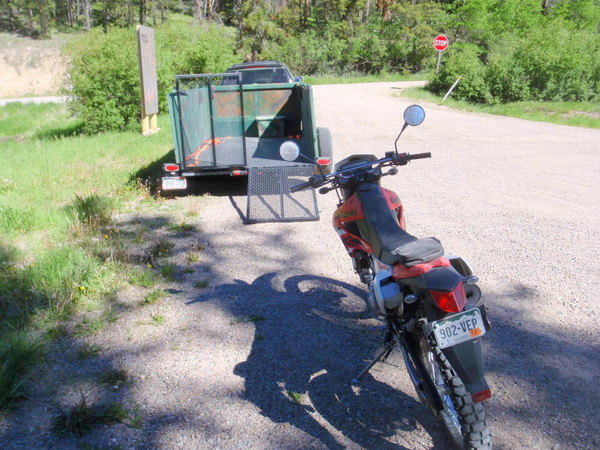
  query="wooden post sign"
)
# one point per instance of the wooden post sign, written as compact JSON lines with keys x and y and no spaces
{"x":147,"y":62}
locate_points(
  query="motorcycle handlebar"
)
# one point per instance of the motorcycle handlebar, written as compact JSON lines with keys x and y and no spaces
{"x":420,"y":155}
{"x":402,"y":159}
{"x":301,"y":186}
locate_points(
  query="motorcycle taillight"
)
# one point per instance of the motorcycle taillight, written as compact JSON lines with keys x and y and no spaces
{"x":453,"y":301}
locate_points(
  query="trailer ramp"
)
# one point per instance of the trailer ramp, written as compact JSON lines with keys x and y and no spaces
{"x":270,"y":198}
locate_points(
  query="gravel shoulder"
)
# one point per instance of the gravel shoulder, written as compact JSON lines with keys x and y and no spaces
{"x":261,"y":335}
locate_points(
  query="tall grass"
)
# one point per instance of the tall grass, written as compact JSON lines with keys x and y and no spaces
{"x":58,"y":192}
{"x":18,"y":351}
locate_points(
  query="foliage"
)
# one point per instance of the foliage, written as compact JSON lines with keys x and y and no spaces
{"x":491,"y":44}
{"x":46,"y":268}
{"x":18,"y":351}
{"x":463,"y":60}
{"x":549,"y":62}
{"x":104,"y":73}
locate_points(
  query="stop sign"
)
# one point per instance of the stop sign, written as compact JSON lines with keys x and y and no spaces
{"x":440,"y":43}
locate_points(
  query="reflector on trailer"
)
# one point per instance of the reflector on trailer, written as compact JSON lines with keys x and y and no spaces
{"x":170,"y":167}
{"x":324,"y":161}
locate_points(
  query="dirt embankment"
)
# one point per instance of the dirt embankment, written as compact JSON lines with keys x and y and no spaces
{"x":29,"y":67}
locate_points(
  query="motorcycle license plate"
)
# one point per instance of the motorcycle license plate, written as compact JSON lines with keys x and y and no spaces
{"x":172,"y":183}
{"x":459,"y":328}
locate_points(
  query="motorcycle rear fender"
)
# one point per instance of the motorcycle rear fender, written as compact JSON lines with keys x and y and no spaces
{"x":467,"y":360}
{"x":443,"y":279}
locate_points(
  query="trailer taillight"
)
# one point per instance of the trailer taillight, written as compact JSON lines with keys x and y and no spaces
{"x":324,"y":161}
{"x":170,"y":167}
{"x":453,"y":301}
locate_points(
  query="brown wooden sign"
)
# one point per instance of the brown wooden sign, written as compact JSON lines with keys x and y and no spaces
{"x":147,"y":62}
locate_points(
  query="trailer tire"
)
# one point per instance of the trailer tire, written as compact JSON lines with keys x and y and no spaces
{"x":325,"y":147}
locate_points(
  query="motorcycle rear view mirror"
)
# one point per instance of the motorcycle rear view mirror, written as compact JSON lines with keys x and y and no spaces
{"x":414,"y":115}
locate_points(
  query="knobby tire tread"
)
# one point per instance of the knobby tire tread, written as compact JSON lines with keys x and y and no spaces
{"x":472,"y":417}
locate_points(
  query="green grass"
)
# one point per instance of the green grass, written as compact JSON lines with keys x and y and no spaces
{"x":295,"y":396}
{"x":157,"y":319}
{"x":82,"y":418}
{"x":353,"y":78}
{"x":116,"y":377}
{"x":182,"y":227}
{"x":58,"y":192}
{"x":19,"y":350}
{"x":154,"y":296}
{"x":89,"y":351}
{"x":45,"y":121}
{"x":579,"y":114}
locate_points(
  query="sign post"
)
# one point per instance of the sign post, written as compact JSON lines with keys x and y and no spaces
{"x":440,"y":43}
{"x":147,"y":62}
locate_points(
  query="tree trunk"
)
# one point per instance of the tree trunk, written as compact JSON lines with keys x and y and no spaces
{"x":545,"y":7}
{"x":87,"y":12}
{"x":69,"y":6}
{"x":129,"y":13}
{"x":31,"y":22}
{"x":198,"y":10}
{"x":105,"y":15}
{"x":142,"y":11}
{"x":44,"y":10}
{"x":306,"y":10}
{"x":11,"y":17}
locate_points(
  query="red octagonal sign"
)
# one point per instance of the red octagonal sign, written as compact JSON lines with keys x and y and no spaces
{"x":440,"y":43}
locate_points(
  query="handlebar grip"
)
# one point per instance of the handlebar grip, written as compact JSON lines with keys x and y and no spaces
{"x":420,"y":155}
{"x":301,"y":186}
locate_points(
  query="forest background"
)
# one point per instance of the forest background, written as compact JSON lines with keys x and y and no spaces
{"x":504,"y":50}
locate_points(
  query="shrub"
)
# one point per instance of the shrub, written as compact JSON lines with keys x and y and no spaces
{"x":507,"y":81}
{"x":104,"y":75}
{"x":463,"y":60}
{"x":559,"y":63}
{"x":550,"y":62}
{"x":94,"y":211}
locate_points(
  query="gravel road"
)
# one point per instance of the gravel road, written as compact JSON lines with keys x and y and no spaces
{"x":260,"y":342}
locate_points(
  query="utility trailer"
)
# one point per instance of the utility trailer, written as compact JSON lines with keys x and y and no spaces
{"x":223,"y":127}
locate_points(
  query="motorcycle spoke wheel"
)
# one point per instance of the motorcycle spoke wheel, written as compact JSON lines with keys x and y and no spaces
{"x":464,"y":421}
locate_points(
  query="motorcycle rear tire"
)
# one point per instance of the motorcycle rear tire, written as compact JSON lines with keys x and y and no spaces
{"x":464,"y":421}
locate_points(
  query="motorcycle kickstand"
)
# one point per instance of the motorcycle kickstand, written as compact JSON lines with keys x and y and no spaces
{"x":382,"y":355}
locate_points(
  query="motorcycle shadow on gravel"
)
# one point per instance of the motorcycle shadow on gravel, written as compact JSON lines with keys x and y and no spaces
{"x":310,"y":340}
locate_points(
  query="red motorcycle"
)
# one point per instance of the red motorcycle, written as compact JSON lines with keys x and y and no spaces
{"x":429,"y":300}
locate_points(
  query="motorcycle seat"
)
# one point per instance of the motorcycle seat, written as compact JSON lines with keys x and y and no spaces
{"x":390,"y":243}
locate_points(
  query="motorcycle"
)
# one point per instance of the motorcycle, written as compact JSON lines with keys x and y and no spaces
{"x":429,"y":300}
